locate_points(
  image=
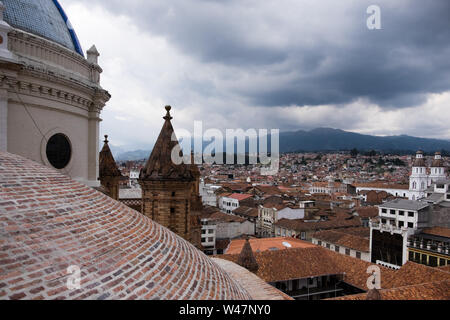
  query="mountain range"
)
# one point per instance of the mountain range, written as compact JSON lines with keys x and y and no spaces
{"x":328,"y":139}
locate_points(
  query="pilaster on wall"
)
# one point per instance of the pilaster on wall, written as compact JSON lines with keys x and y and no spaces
{"x":93,"y":148}
{"x":3,"y":121}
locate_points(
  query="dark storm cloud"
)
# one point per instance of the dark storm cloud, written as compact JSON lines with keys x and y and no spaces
{"x":308,"y":52}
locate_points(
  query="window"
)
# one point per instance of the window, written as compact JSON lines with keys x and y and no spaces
{"x":210,"y":239}
{"x":401,"y":224}
{"x":172,"y":210}
{"x":383,"y":210}
{"x":336,"y":248}
{"x":448,"y":196}
{"x":401,"y":213}
{"x":358,"y":254}
{"x":319,"y":243}
{"x":203,"y":231}
{"x":58,"y":151}
{"x":173,"y":193}
{"x":410,"y":225}
{"x":210,"y":231}
{"x":328,"y":246}
{"x":392,"y":211}
{"x":347,"y":252}
{"x":383,"y":221}
{"x":303,"y":235}
{"x":410,"y":214}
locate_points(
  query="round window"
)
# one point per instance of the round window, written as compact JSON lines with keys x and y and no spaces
{"x":58,"y":151}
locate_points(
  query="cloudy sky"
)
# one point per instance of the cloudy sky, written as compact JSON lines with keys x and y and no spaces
{"x":285,"y":64}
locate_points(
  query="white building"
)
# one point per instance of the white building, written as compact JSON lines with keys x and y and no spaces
{"x":229,"y":203}
{"x":50,"y":94}
{"x":208,"y":193}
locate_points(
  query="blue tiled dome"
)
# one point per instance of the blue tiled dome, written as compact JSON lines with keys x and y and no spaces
{"x":45,"y":18}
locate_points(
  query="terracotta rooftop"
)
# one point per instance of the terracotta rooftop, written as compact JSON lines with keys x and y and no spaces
{"x":381,"y":185}
{"x":300,"y":225}
{"x":343,"y":239}
{"x":301,"y":263}
{"x":49,"y":222}
{"x":425,"y":291}
{"x":264,"y":244}
{"x":240,"y":196}
{"x":246,"y":211}
{"x":437,"y":231}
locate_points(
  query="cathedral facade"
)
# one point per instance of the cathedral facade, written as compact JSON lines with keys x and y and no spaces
{"x":422,"y":177}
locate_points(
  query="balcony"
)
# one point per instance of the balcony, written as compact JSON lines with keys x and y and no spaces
{"x":429,"y":245}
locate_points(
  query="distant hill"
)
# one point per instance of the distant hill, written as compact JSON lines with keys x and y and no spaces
{"x":133,"y":155}
{"x":327,"y":139}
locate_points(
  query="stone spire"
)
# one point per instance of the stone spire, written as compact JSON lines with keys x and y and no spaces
{"x":109,"y":173}
{"x":107,"y":164}
{"x":160,"y":165}
{"x":246,"y":258}
{"x":373,"y":294}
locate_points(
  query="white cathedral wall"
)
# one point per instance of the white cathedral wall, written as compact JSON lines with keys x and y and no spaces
{"x":24,"y":137}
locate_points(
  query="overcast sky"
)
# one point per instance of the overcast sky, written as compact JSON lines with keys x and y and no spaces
{"x":282,"y":64}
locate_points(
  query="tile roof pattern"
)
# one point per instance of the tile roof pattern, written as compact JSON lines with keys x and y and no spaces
{"x":425,"y":291}
{"x":49,"y":222}
{"x":301,"y":263}
{"x":437,"y":231}
{"x":343,"y":239}
{"x":258,"y":289}
{"x":265,"y":244}
{"x":300,"y":225}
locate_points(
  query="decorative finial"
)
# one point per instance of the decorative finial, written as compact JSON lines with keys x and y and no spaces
{"x":106,"y":139}
{"x":168,"y":117}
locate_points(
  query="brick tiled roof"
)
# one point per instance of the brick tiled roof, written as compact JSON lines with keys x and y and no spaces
{"x":264,"y":244}
{"x":49,"y":222}
{"x":316,"y":261}
{"x":438,"y":231}
{"x":300,"y":225}
{"x":426,"y":291}
{"x":344,"y":239}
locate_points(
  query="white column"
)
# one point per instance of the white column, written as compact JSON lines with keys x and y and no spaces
{"x":3,"y":123}
{"x":93,"y":149}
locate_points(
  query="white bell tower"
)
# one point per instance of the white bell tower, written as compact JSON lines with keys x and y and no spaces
{"x":438,"y":171}
{"x":418,"y":181}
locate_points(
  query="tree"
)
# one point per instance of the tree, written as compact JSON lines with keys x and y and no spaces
{"x":354,"y":152}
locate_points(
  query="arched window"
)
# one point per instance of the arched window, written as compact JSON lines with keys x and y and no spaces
{"x":414,"y":185}
{"x":423,"y":185}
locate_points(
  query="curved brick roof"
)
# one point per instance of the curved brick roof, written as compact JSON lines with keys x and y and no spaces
{"x":49,"y":222}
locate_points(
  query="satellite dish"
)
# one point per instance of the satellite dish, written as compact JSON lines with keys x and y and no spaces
{"x":287,"y":244}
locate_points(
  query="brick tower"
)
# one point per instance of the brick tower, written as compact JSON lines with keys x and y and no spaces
{"x":166,"y":186}
{"x":109,"y":174}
